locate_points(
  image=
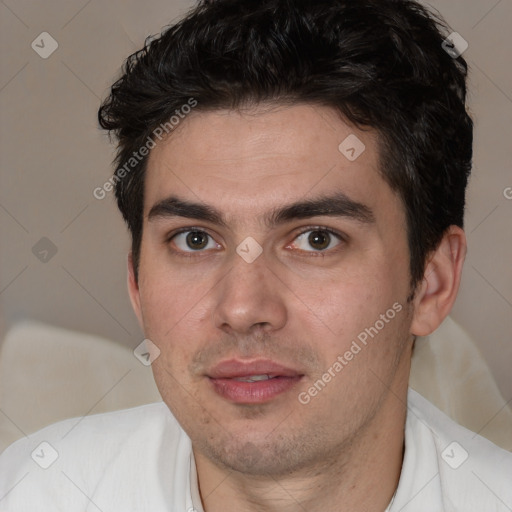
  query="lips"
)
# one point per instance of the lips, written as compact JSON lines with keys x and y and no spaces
{"x":236,"y":368}
{"x":252,"y":382}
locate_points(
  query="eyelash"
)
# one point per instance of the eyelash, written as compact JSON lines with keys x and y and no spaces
{"x":189,"y":254}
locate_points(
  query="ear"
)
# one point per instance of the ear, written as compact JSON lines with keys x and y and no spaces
{"x":437,"y":292}
{"x":133,"y":290}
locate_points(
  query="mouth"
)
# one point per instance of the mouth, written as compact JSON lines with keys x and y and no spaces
{"x":252,"y":382}
{"x":256,"y":378}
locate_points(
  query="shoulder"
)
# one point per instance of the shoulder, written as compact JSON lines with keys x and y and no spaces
{"x":469,"y":472}
{"x":77,"y":454}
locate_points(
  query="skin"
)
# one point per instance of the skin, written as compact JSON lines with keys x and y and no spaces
{"x":294,"y":304}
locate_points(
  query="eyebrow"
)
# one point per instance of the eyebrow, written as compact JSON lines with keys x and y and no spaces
{"x":335,"y":205}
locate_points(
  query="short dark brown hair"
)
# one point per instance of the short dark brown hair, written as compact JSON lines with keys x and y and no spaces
{"x":379,"y":63}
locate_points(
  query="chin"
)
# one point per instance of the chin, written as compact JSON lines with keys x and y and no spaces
{"x":261,"y":454}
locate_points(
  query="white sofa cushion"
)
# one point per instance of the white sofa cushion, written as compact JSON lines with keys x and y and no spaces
{"x":48,"y":374}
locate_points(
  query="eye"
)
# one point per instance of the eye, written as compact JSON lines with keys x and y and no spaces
{"x":317,"y":240}
{"x":193,"y":241}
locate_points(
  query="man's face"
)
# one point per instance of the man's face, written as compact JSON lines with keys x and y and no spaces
{"x":221,"y":311}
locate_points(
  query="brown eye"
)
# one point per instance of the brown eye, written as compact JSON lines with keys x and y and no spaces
{"x":197,"y":240}
{"x":193,"y":240}
{"x":319,"y":240}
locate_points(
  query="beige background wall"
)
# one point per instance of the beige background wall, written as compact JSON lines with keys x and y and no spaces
{"x":52,"y":156}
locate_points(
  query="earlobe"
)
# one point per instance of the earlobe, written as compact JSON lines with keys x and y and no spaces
{"x":438,"y":290}
{"x":133,"y":289}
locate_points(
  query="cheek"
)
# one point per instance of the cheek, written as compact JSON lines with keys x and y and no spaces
{"x":347,"y":303}
{"x":169,"y":296}
{"x":174,"y":319}
{"x":174,"y":314}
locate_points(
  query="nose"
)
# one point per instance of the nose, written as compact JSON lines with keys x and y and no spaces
{"x":249,"y":297}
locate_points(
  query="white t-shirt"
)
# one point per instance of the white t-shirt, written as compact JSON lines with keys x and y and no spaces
{"x":141,"y":460}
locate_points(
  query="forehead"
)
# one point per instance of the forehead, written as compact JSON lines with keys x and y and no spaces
{"x":249,"y":162}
